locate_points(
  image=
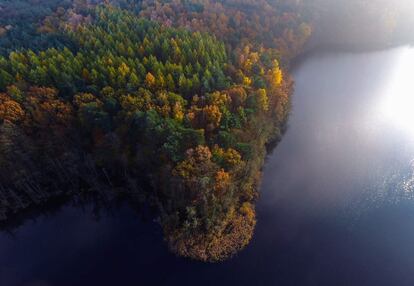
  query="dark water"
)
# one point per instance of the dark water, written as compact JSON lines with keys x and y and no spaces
{"x":336,"y":205}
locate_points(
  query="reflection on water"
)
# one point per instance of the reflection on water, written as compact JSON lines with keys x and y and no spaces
{"x":340,"y":143}
{"x":396,"y":187}
{"x":397,"y":104}
{"x":336,"y":204}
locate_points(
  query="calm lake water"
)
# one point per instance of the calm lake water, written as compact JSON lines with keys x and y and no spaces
{"x":336,"y":204}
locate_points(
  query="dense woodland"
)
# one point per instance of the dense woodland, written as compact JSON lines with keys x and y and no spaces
{"x":173,"y":102}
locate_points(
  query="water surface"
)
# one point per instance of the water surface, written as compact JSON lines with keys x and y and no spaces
{"x":336,"y":202}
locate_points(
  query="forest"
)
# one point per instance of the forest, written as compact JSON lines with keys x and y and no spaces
{"x":173,"y":102}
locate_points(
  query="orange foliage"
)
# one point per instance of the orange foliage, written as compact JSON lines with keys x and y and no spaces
{"x":211,"y":116}
{"x":207,"y":117}
{"x":10,"y":110}
{"x":230,"y":235}
{"x":222,"y":181}
{"x":150,"y":80}
{"x":47,"y":110}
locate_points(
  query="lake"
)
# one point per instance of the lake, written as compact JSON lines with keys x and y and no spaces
{"x":336,"y":205}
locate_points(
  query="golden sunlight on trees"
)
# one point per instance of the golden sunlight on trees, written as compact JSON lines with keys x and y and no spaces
{"x":189,"y":110}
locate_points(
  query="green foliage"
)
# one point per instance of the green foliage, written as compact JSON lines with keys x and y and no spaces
{"x":21,"y":18}
{"x":120,"y":50}
{"x":187,"y":110}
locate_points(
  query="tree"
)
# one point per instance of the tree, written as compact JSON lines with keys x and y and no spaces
{"x":262,"y":100}
{"x":211,"y":116}
{"x":5,"y":79}
{"x":10,"y":110}
{"x":276,"y":75}
{"x":15,"y":93}
{"x":134,"y":81}
{"x":150,"y":80}
{"x":124,"y":70}
{"x":222,"y":182}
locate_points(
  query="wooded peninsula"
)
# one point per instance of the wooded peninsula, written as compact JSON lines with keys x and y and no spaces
{"x":174,"y":102}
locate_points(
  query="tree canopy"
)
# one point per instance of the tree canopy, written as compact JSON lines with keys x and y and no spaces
{"x":179,"y":96}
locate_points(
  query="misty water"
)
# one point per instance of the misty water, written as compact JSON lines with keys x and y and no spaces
{"x":336,"y":205}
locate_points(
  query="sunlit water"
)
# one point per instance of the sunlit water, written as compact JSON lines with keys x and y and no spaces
{"x":397,"y":100}
{"x":351,"y":133}
{"x":336,"y":204}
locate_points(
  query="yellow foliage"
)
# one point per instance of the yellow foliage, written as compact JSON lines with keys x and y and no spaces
{"x":232,"y":157}
{"x":150,"y":80}
{"x":124,"y":70}
{"x":178,"y":113}
{"x":277,"y":76}
{"x":247,"y":80}
{"x":161,"y":81}
{"x":184,"y":169}
{"x":81,"y":99}
{"x":263,"y":99}
{"x":218,"y":151}
{"x":247,"y":210}
{"x":218,"y":99}
{"x":132,"y":103}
